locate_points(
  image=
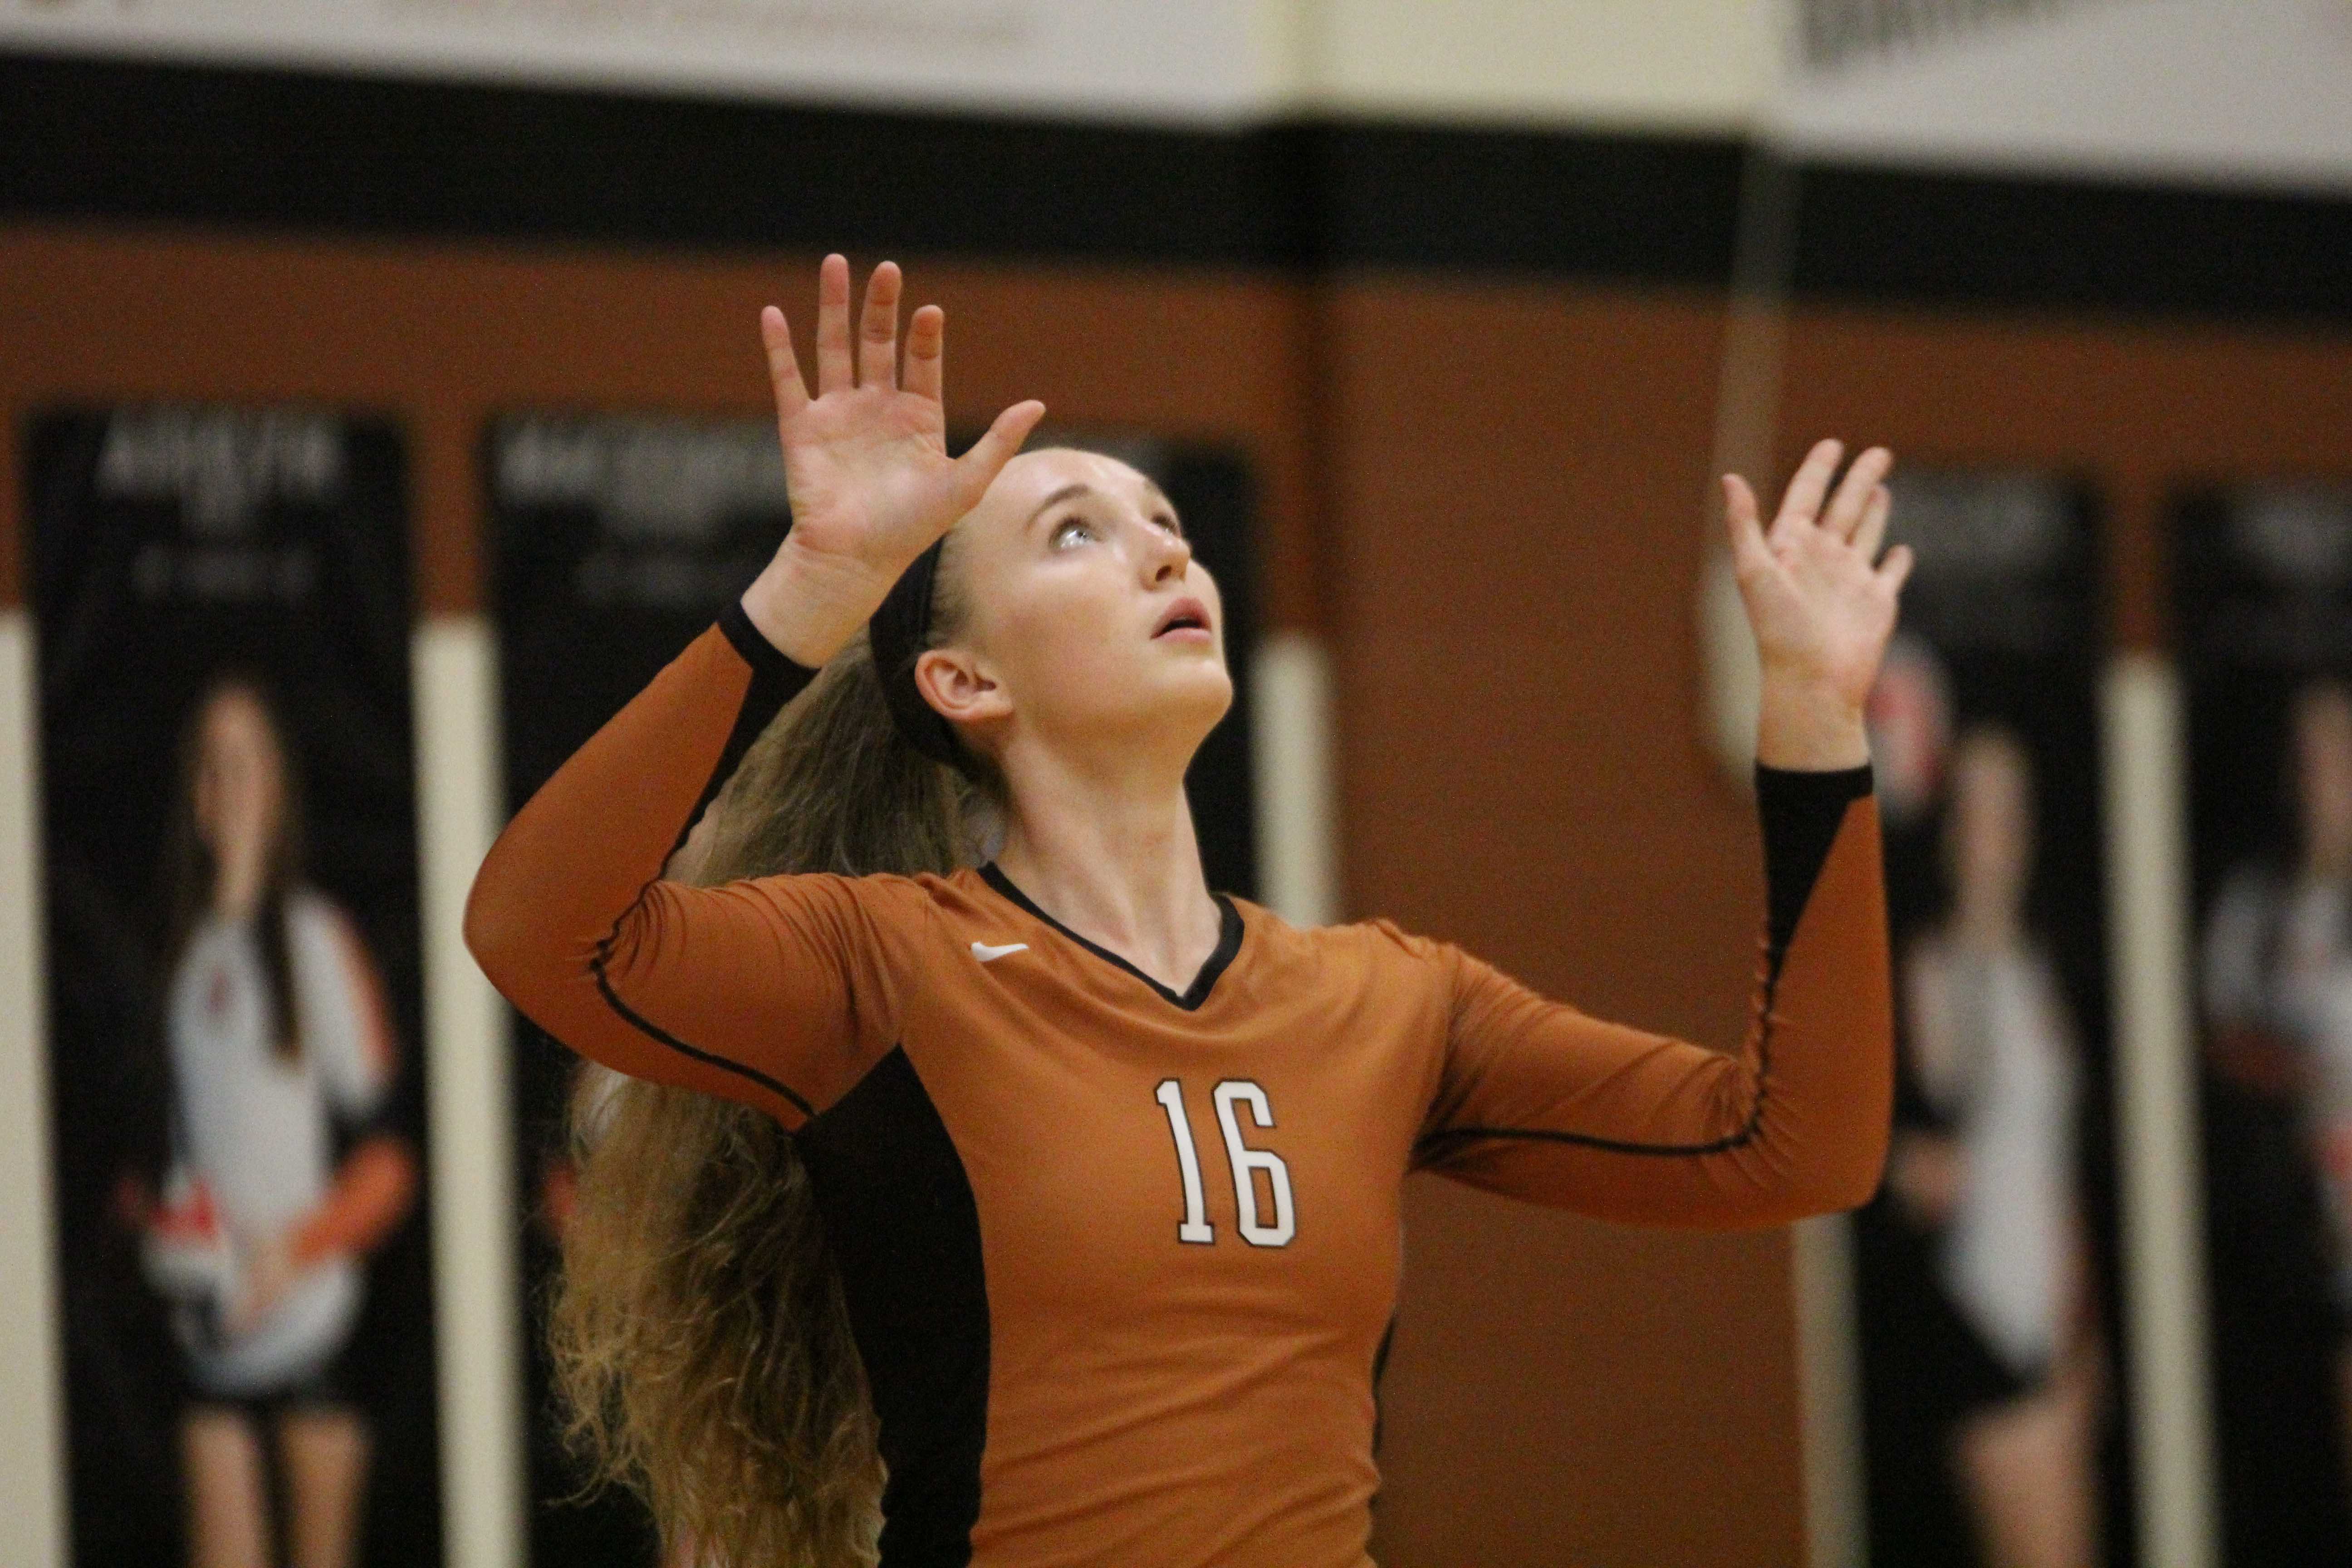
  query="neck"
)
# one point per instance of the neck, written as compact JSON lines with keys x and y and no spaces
{"x":1109,"y":851}
{"x":237,"y":888}
{"x":1985,"y":925}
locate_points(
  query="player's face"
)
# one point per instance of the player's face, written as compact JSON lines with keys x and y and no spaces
{"x":240,"y":781}
{"x":1080,"y":601}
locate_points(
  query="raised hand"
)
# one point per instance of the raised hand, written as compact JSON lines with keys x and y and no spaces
{"x":1820,"y":602}
{"x":865,"y":462}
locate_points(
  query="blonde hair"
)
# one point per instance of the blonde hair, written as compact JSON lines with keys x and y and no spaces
{"x":703,"y":1348}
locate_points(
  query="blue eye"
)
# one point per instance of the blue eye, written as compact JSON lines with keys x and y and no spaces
{"x":1074,"y":528}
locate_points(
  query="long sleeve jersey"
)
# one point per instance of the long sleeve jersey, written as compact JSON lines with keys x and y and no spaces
{"x":1119,"y":1260}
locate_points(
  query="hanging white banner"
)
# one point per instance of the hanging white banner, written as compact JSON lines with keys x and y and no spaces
{"x":1181,"y":61}
{"x":2250,"y":92}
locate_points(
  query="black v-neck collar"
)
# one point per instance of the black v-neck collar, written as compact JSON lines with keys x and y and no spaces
{"x":1229,"y":942}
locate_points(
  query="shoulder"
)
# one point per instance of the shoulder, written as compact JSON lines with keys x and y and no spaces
{"x":1379,"y":947}
{"x":316,"y":923}
{"x":880,"y":906}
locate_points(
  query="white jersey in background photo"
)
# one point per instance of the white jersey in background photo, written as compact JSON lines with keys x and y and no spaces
{"x":2278,"y":958}
{"x":1997,"y":1059}
{"x":258,"y":1134}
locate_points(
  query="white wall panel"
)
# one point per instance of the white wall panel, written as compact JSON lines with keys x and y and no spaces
{"x":1661,"y":64}
{"x":2233,"y":92}
{"x":32,"y":1416}
{"x":476,"y":1310}
{"x":1134,"y":59}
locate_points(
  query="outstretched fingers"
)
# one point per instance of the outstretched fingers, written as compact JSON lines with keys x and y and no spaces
{"x":1895,"y":570}
{"x":1871,"y":531}
{"x":1853,"y":495}
{"x":877,"y":331}
{"x":783,"y":365}
{"x":978,"y":468}
{"x":1741,"y":517}
{"x":1802,"y":504}
{"x":834,"y":371}
{"x":926,"y":342}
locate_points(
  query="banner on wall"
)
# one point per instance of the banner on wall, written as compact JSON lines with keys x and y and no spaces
{"x":617,"y":539}
{"x":2263,"y":608}
{"x":1209,"y":62}
{"x":1984,"y":1267}
{"x":2253,"y":90}
{"x":229,"y":819}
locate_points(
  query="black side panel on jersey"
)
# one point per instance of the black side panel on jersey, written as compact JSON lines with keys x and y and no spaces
{"x":905,"y":1231}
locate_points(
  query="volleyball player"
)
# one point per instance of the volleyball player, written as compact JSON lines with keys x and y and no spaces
{"x":1048,"y":1209}
{"x":280,"y":1050}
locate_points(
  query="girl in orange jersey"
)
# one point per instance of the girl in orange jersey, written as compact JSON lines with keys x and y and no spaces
{"x":996,"y":1193}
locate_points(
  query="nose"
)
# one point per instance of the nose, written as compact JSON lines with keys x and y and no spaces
{"x":1167,"y":556}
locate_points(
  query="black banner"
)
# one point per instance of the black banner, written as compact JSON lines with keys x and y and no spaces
{"x":229,"y":816}
{"x":2264,"y":603}
{"x":1984,"y":1266}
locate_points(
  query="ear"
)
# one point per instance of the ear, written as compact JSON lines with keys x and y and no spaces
{"x":960,"y":687}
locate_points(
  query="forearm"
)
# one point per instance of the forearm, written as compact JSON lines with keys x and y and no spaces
{"x":373,"y":1191}
{"x":1548,"y":1105}
{"x":555,"y":889}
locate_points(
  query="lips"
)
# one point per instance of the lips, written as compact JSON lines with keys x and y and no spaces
{"x":1185,"y":615}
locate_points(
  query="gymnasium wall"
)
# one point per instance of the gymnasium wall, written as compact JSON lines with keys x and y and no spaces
{"x":1483,"y":424}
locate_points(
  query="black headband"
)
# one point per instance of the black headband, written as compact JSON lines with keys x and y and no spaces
{"x":898,"y":632}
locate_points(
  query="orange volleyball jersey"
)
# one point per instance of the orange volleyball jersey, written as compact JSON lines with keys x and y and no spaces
{"x":1120,"y":1261}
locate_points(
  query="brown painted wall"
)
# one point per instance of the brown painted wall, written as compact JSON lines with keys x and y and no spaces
{"x":1491,"y":496}
{"x":1520,"y":470}
{"x":2137,"y":407}
{"x":445,"y":336}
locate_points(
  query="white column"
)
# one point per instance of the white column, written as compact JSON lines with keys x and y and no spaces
{"x":1293,"y":774}
{"x":467,"y":1095}
{"x":1829,"y":1392}
{"x":32,"y":1391}
{"x":2156,"y":1153}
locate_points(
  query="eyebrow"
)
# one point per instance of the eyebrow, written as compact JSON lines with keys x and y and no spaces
{"x":1066,"y":492}
{"x":1077,"y":488}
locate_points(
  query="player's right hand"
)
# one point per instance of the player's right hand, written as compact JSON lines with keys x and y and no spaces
{"x":865,"y":462}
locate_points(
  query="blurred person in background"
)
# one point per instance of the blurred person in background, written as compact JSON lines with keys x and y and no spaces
{"x":2278,"y":997}
{"x":1987,"y":1173}
{"x":905,"y":1240}
{"x":280,"y":1050}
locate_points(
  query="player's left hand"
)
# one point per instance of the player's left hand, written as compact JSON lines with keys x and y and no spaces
{"x":1821,"y":602}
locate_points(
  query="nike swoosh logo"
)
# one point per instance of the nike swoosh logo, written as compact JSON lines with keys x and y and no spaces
{"x":987,"y":955}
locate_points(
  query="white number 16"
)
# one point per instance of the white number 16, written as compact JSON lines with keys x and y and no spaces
{"x":1244,"y":1161}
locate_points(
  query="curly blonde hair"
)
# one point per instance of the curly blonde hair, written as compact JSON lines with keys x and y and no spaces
{"x":702,"y":1347}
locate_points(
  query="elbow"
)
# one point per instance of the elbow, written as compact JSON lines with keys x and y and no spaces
{"x":1847,"y":1178}
{"x":486,"y":933}
{"x":500,"y":942}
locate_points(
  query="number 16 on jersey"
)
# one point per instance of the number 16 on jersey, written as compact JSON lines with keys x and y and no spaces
{"x":1244,"y":1161}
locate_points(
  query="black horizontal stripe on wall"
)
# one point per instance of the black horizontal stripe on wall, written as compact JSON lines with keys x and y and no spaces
{"x":147,"y":141}
{"x":141,"y":140}
{"x":2008,"y":241}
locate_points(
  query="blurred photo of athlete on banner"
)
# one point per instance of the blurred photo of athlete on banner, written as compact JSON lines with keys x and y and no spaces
{"x":1985,"y":1314}
{"x":232,"y":901}
{"x":2263,"y":596}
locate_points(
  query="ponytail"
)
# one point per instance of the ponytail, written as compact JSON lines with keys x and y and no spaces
{"x":702,"y":1350}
